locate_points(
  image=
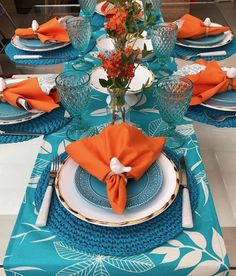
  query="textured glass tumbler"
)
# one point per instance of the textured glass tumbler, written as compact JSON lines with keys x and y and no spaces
{"x":74,"y":90}
{"x":88,"y":7}
{"x":173,"y":95}
{"x":163,"y":37}
{"x":79,"y":30}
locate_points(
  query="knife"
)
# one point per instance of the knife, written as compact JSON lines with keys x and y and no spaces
{"x":6,"y":132}
{"x":40,"y":57}
{"x":187,"y":219}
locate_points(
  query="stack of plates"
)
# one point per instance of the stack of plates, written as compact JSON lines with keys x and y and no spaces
{"x":35,"y":45}
{"x":12,"y":115}
{"x":208,"y":42}
{"x":85,"y":197}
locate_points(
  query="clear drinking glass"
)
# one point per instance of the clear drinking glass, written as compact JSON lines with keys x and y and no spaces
{"x":74,"y":90}
{"x":156,"y":5}
{"x":163,"y":38}
{"x":79,"y":30}
{"x":88,"y":7}
{"x":173,"y":95}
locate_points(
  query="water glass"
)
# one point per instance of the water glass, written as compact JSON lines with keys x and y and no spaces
{"x":173,"y":95}
{"x":163,"y":37}
{"x":88,"y":7}
{"x":74,"y":90}
{"x":79,"y":30}
{"x":156,"y":5}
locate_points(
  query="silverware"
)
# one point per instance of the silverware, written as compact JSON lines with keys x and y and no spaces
{"x":44,"y":209}
{"x":206,"y":54}
{"x":219,"y":118}
{"x":6,"y":132}
{"x":187,"y":219}
{"x":40,"y":57}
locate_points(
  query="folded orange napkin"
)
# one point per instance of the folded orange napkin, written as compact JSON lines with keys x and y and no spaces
{"x":117,"y":153}
{"x":210,"y":81}
{"x":194,"y":28}
{"x":30,"y":91}
{"x":46,"y":32}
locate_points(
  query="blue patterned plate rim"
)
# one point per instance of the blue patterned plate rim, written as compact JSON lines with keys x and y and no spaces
{"x":36,"y":43}
{"x":205,"y":41}
{"x":94,"y":191}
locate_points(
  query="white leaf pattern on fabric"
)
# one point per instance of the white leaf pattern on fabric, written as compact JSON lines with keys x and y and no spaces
{"x":39,"y":167}
{"x":171,"y":253}
{"x":99,"y":112}
{"x":202,"y":180}
{"x":155,"y":127}
{"x":135,"y":264}
{"x":67,"y":252}
{"x":62,"y":146}
{"x":205,"y":268}
{"x":44,"y":240}
{"x":175,"y":243}
{"x":218,"y":245}
{"x":186,"y":130}
{"x":149,"y":110}
{"x":142,"y":101}
{"x":100,"y":270}
{"x":78,"y":269}
{"x":25,"y":268}
{"x":46,"y":148}
{"x":190,"y":259}
{"x":197,"y":238}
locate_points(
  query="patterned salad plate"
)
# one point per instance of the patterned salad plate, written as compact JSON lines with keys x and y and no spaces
{"x":139,"y":192}
{"x":210,"y":42}
{"x":17,"y":43}
{"x":75,"y":203}
{"x":12,"y":115}
{"x":142,"y":75}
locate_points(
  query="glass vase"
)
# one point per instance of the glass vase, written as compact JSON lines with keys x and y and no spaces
{"x":118,"y":109}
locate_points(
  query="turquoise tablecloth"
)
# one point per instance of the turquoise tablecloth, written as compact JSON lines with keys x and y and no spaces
{"x":200,"y":251}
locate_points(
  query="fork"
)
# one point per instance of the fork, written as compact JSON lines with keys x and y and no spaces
{"x":44,"y":209}
{"x":206,"y":54}
{"x":219,"y":118}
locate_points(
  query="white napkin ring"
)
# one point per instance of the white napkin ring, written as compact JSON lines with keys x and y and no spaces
{"x":35,"y":25}
{"x":3,"y":85}
{"x":231,"y":73}
{"x":117,"y":167}
{"x":207,"y":22}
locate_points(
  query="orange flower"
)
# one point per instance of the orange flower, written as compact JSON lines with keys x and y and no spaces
{"x":117,"y":22}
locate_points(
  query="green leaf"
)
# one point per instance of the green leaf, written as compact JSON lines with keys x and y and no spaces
{"x":124,"y":58}
{"x":104,"y":83}
{"x":119,"y":83}
{"x":131,"y":58}
{"x":109,"y":82}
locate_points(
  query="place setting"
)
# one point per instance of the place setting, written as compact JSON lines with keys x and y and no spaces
{"x":198,"y":38}
{"x":29,"y":107}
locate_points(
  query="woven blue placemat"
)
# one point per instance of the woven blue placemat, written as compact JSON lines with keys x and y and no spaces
{"x":184,"y":51}
{"x":46,"y":123}
{"x":197,"y":113}
{"x":67,"y":53}
{"x":121,"y":241}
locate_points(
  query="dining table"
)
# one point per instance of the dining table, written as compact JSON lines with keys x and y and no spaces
{"x":209,"y":150}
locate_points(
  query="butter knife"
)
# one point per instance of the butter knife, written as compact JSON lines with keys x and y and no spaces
{"x":187,"y":219}
{"x":6,"y":132}
{"x":39,"y":57}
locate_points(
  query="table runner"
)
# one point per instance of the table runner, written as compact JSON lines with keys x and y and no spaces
{"x":200,"y":250}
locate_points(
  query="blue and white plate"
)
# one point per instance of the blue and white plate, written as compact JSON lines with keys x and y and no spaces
{"x":205,"y":41}
{"x":139,"y":192}
{"x":225,"y":101}
{"x":36,"y":43}
{"x":12,"y":115}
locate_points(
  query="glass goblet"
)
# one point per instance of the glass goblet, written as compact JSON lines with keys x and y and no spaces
{"x":74,"y":90}
{"x":88,"y":7}
{"x":163,"y":37}
{"x":79,"y":30}
{"x":173,"y":95}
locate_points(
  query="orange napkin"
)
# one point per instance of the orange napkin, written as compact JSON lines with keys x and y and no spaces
{"x":46,"y":32}
{"x":210,"y":81}
{"x":124,"y":142}
{"x":30,"y":91}
{"x":194,"y":28}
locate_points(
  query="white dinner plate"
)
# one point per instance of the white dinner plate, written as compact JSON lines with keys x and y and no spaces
{"x":12,"y":115}
{"x":15,"y":41}
{"x":227,"y":39}
{"x":142,"y":75}
{"x":82,"y":209}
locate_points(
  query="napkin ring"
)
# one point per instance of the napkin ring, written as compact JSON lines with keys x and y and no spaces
{"x":111,"y":173}
{"x":2,"y":100}
{"x":206,"y":31}
{"x":230,"y":84}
